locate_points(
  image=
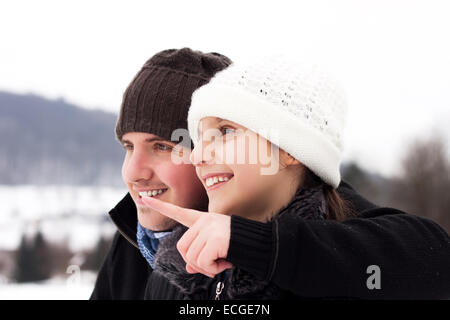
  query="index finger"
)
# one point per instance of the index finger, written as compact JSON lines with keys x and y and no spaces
{"x":184,"y":216}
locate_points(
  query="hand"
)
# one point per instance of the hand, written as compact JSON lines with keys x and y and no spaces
{"x":204,"y":246}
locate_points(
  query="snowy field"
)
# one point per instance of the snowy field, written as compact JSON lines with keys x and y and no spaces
{"x":78,"y":215}
{"x":74,"y":215}
{"x":72,"y":287}
{"x":45,"y":292}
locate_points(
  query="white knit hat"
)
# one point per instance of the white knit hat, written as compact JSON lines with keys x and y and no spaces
{"x":301,"y":103}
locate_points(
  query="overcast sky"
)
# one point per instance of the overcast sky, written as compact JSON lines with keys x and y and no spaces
{"x":393,"y":57}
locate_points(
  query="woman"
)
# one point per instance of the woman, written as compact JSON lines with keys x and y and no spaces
{"x":233,"y":113}
{"x":297,"y":112}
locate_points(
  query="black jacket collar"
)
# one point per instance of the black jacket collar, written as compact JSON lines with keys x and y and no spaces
{"x":124,"y":215}
{"x":359,"y":203}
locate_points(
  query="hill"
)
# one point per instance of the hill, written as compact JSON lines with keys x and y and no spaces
{"x":54,"y":142}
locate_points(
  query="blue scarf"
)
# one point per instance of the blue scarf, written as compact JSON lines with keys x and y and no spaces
{"x":148,"y":242}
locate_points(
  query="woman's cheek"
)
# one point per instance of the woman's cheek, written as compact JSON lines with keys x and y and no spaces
{"x":232,"y":151}
{"x":246,"y":180}
{"x":222,"y":152}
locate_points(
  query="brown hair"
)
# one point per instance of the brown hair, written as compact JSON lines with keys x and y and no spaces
{"x":337,"y":208}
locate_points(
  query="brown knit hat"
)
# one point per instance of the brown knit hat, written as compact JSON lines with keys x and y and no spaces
{"x":158,"y":99}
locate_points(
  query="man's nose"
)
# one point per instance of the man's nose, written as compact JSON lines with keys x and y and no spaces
{"x":138,"y":167}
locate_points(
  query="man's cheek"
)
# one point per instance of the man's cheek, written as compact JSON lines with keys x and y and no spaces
{"x":173,"y":176}
{"x":183,"y":180}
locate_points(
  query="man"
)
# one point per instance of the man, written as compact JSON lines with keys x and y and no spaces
{"x":154,"y":105}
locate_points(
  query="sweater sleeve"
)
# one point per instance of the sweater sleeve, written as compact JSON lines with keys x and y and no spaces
{"x":325,"y":258}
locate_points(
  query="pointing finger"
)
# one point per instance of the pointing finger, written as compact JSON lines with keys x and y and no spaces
{"x":184,"y":216}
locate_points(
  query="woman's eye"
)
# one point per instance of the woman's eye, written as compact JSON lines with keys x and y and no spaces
{"x":226,"y":130}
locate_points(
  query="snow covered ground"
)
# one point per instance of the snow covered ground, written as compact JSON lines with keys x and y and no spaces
{"x":78,"y":215}
{"x":74,"y":215}
{"x":73,"y":287}
{"x":45,"y":292}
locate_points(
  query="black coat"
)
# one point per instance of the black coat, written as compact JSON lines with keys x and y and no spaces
{"x":237,"y":283}
{"x":309,"y":258}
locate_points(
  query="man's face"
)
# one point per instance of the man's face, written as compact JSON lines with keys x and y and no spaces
{"x":148,"y":167}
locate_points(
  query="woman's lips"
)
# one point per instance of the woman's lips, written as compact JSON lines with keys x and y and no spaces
{"x":218,"y":185}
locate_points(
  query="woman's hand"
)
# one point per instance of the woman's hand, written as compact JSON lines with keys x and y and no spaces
{"x":204,"y":246}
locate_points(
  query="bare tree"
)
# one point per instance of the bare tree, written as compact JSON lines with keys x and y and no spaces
{"x":424,"y":184}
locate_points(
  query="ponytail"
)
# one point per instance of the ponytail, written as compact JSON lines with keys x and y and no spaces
{"x":337,"y":208}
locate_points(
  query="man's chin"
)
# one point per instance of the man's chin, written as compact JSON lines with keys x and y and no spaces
{"x":154,"y":221}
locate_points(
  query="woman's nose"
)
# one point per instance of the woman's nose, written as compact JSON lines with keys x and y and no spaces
{"x":198,"y":155}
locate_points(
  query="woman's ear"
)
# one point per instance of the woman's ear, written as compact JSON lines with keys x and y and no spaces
{"x":287,"y":159}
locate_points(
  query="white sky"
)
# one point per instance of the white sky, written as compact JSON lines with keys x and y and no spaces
{"x":393,"y":57}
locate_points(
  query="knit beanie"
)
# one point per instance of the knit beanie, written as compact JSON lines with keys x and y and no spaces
{"x":157,"y":100}
{"x":301,"y":103}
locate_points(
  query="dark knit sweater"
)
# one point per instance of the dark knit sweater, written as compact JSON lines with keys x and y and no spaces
{"x":326,"y":258}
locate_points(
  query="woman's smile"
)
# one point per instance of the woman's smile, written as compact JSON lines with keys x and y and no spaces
{"x":213,"y":181}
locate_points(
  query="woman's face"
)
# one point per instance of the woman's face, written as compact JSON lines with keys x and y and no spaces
{"x":243,"y":173}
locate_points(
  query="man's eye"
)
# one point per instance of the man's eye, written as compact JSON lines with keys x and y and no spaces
{"x":162,"y":147}
{"x":226,"y":130}
{"x":127,"y":147}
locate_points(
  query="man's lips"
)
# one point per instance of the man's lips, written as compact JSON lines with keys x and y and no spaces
{"x":139,"y":196}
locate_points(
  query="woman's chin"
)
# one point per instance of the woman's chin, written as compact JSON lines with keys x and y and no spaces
{"x":222,"y":206}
